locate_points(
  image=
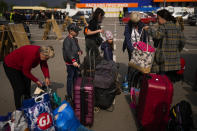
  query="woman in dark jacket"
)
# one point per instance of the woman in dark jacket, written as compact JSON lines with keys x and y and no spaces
{"x":172,"y":41}
{"x":92,"y":32}
{"x":132,"y":32}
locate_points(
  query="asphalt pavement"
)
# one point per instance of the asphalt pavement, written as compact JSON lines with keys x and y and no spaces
{"x":122,"y":118}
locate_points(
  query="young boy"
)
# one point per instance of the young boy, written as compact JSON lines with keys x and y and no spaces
{"x":71,"y":52}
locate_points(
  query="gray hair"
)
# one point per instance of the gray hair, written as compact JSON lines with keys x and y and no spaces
{"x":47,"y":51}
{"x":135,"y":17}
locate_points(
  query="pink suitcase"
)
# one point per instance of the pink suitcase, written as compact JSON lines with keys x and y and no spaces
{"x":84,"y":100}
{"x":154,"y":102}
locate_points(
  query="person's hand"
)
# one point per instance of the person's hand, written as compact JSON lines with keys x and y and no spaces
{"x":39,"y":83}
{"x":101,"y":31}
{"x":75,"y":64}
{"x":80,"y":53}
{"x":47,"y":81}
{"x":146,"y":27}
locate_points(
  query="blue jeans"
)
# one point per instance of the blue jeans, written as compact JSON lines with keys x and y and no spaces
{"x":72,"y":75}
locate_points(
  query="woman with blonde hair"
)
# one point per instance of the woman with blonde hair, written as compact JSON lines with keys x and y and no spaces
{"x":132,"y":32}
{"x":18,"y":65}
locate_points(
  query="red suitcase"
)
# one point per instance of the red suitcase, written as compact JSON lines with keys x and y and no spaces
{"x":154,"y":102}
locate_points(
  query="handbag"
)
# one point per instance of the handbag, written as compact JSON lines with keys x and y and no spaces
{"x":142,"y":56}
{"x":99,"y":40}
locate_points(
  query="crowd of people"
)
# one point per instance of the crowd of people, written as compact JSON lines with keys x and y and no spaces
{"x":36,"y":17}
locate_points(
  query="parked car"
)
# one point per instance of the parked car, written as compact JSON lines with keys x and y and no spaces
{"x":78,"y":14}
{"x":192,"y":19}
{"x":145,"y":18}
{"x":184,"y":15}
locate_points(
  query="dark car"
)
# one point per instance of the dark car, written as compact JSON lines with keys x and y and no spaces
{"x":78,"y":15}
{"x":192,"y":19}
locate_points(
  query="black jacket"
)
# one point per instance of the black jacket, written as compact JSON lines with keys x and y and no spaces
{"x":127,"y":33}
{"x":70,"y":50}
{"x":108,"y":51}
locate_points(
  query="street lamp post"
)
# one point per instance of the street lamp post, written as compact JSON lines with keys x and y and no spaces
{"x":164,"y":4}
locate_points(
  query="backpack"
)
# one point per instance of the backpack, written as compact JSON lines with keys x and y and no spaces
{"x":181,"y":117}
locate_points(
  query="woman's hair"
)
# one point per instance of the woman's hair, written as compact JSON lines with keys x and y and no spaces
{"x":135,"y":17}
{"x":165,"y":14}
{"x":97,"y":12}
{"x":47,"y":51}
{"x":180,"y":23}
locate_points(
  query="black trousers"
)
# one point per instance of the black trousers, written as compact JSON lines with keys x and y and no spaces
{"x":93,"y":47}
{"x":20,"y":84}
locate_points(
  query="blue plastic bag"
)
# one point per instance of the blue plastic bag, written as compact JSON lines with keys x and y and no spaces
{"x":38,"y":113}
{"x":65,"y":119}
{"x":4,"y":121}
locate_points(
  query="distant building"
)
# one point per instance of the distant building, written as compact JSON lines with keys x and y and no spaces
{"x":176,"y":3}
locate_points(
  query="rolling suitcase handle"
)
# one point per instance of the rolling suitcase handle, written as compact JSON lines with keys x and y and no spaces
{"x":84,"y":105}
{"x":90,"y":62}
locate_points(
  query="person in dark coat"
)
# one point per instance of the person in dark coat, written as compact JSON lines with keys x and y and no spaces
{"x":107,"y":46}
{"x":71,"y":52}
{"x":132,"y":33}
{"x":92,"y":33}
{"x":172,"y":41}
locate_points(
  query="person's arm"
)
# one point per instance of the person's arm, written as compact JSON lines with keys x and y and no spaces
{"x":44,"y":68}
{"x":78,"y":47}
{"x":91,"y":27}
{"x":89,"y":32}
{"x":27,"y":66}
{"x":156,"y":33}
{"x":106,"y":52}
{"x":181,"y":41}
{"x":127,"y":35}
{"x":67,"y":51}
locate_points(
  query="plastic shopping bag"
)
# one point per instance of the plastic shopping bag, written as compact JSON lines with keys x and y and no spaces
{"x":38,"y":113}
{"x":65,"y":119}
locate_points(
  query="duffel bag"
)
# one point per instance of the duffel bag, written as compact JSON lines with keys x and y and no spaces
{"x":104,"y":97}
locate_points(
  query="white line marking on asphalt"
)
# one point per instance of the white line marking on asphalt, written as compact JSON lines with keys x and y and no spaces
{"x":114,"y":58}
{"x":185,"y":49}
{"x":114,"y":46}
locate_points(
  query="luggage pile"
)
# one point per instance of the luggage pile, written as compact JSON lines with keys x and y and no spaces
{"x":96,"y":87}
{"x":151,"y":94}
{"x":44,"y":111}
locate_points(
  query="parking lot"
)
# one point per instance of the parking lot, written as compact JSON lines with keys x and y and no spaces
{"x":122,"y":118}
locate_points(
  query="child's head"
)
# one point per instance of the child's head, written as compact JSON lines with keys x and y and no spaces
{"x":73,"y":29}
{"x":109,"y":37}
